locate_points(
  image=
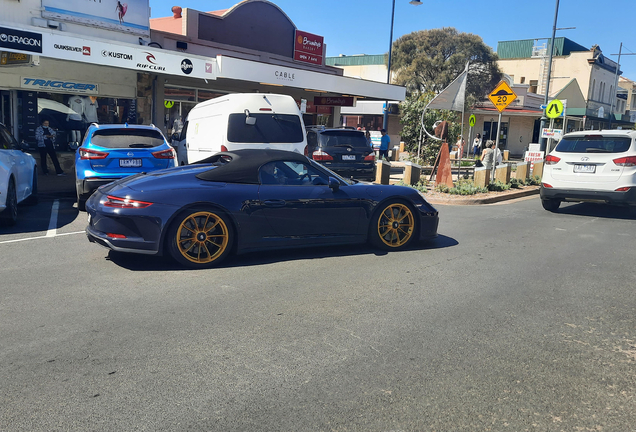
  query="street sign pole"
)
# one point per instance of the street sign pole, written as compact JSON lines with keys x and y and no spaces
{"x":549,"y":143}
{"x":494,"y":156}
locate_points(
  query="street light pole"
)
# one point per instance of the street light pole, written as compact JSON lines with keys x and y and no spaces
{"x":613,"y":96}
{"x":543,"y":141}
{"x":385,"y":120}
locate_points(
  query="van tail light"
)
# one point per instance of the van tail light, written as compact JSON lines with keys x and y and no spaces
{"x":320,"y":155}
{"x":370,"y":157}
{"x":223,"y":148}
{"x":628,"y":161}
{"x":551,"y":160}
{"x":91,"y":154}
{"x":306,"y":152}
{"x":623,"y":189}
{"x":546,"y":185}
{"x":125,"y":203}
{"x":164,"y":154}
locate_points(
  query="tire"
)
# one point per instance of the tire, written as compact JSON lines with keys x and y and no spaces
{"x":10,"y":214}
{"x":81,"y":200}
{"x":393,"y":226}
{"x":551,"y":205}
{"x":200,"y":238}
{"x":33,"y":198}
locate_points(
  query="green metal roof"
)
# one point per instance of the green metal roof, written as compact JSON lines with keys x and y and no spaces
{"x":356,"y":60}
{"x":523,"y":48}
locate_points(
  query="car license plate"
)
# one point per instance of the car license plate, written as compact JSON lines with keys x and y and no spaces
{"x":348,"y":157}
{"x":589,"y":169}
{"x":125,"y":163}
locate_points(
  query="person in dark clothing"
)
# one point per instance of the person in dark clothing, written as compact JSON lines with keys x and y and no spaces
{"x":45,"y":137}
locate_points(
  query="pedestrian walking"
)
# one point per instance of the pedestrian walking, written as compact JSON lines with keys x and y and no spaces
{"x":477,"y":145}
{"x":368,"y":137}
{"x":45,"y":137}
{"x":487,"y":155}
{"x":384,"y":144}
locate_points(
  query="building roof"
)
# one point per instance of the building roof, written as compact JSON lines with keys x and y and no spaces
{"x":356,"y":60}
{"x":524,"y":48}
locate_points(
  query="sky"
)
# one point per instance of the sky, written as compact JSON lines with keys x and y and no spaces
{"x":363,"y":26}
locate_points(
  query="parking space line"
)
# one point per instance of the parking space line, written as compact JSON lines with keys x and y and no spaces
{"x":41,"y":237}
{"x":52,"y":231}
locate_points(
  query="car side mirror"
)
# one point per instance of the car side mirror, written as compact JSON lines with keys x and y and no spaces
{"x":334,"y":184}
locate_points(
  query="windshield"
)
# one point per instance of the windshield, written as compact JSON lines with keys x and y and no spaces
{"x":127,"y":138}
{"x":269,"y":128}
{"x":343,"y":138}
{"x":594,"y":144}
{"x":331,"y":173}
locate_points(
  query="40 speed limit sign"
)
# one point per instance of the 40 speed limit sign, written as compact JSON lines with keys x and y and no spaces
{"x":502,"y":96}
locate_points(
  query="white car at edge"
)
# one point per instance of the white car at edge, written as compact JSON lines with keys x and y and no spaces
{"x":18,"y":177}
{"x":594,"y":166}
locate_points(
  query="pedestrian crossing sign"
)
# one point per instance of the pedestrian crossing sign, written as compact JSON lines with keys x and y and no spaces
{"x":554,"y":109}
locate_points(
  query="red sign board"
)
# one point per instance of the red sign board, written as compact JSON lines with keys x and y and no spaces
{"x":316,"y":109}
{"x":309,"y":48}
{"x":334,"y":101}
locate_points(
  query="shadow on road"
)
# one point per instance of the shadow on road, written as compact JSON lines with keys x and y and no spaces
{"x":597,"y":210}
{"x":37,"y":218}
{"x":138,"y":262}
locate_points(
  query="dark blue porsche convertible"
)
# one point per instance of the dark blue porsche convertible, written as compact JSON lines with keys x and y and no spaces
{"x":249,"y":200}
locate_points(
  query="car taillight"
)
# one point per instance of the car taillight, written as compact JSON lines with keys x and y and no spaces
{"x":116,"y":202}
{"x":370,"y":157}
{"x":545,"y":185}
{"x":626,"y":161}
{"x":551,"y":160}
{"x":91,"y":154}
{"x":164,"y":154}
{"x":623,"y":189}
{"x":115,"y":236}
{"x":320,"y":155}
{"x":223,"y":148}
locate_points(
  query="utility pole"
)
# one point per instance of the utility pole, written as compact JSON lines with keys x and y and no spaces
{"x":543,"y":141}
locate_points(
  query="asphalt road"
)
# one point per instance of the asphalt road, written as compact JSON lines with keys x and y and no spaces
{"x":514,"y":319}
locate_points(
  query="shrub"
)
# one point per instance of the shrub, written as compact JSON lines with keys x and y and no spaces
{"x":442,"y":188}
{"x":498,"y":186}
{"x":421,"y":186}
{"x":516,"y":183}
{"x":463,"y":187}
{"x":533,"y":181}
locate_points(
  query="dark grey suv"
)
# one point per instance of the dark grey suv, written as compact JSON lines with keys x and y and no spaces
{"x":343,"y":151}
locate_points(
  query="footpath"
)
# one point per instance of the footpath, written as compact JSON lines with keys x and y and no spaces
{"x":52,"y":186}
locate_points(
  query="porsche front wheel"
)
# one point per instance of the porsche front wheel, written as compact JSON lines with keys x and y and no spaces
{"x":200,"y":238}
{"x":392,"y":226}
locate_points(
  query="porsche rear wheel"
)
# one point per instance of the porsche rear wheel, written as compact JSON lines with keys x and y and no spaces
{"x":393,"y":226}
{"x":200,"y":238}
{"x":10,"y":214}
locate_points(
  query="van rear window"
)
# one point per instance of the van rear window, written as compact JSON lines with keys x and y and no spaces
{"x":127,"y":138}
{"x":594,"y":144}
{"x":269,"y":128}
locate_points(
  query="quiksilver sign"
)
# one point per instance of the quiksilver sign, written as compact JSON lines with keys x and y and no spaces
{"x":59,"y":86}
{"x":20,"y":40}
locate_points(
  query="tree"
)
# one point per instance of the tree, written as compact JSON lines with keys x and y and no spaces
{"x":411,"y":115}
{"x":429,"y":60}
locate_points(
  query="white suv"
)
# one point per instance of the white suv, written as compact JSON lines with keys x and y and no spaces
{"x":596,"y":166}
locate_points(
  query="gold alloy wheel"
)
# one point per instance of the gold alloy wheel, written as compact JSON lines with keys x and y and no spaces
{"x":202,"y":237}
{"x":396,"y":225}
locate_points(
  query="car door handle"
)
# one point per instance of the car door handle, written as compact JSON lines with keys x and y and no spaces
{"x":274,"y":203}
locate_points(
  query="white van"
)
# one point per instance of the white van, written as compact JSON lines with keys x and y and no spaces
{"x":243,"y":120}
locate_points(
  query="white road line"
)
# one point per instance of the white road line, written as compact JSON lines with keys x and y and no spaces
{"x":52,"y":231}
{"x":41,"y":237}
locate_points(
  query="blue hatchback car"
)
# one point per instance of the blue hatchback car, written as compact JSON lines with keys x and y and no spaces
{"x":110,"y":152}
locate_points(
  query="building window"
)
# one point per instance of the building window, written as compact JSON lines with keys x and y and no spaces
{"x":533,"y":86}
{"x":522,"y":80}
{"x":593,"y":90}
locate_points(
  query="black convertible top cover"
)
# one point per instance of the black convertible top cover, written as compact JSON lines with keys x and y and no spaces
{"x":242,"y":166}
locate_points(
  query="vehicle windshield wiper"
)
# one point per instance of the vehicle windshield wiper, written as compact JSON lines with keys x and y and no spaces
{"x":596,"y":150}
